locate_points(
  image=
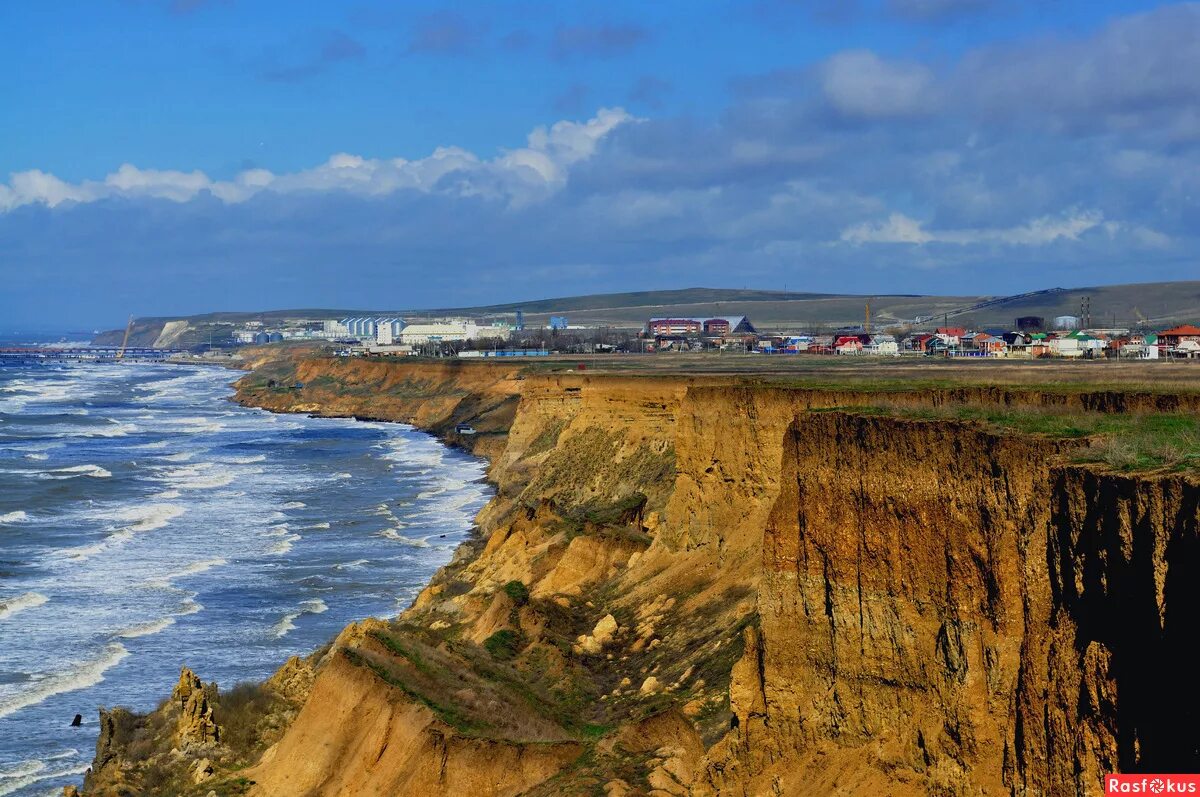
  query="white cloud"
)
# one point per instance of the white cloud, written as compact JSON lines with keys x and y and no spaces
{"x":901,"y":229}
{"x":518,"y":176}
{"x":861,"y":84}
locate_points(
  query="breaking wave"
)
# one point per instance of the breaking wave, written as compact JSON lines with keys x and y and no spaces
{"x":20,"y":603}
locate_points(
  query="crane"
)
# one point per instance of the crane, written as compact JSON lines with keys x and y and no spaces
{"x":125,"y":341}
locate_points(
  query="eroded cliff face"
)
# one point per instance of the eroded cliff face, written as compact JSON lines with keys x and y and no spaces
{"x":705,"y":586}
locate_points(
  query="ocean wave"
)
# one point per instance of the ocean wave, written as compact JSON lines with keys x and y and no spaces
{"x":199,"y":476}
{"x":27,"y":600}
{"x":147,"y":517}
{"x":392,"y":534}
{"x":295,"y":505}
{"x":194,"y":569}
{"x":287,"y":622}
{"x":37,"y":456}
{"x":145,"y":629}
{"x":340,"y":476}
{"x":79,"y":676}
{"x":247,"y":460}
{"x":95,"y":471}
{"x":284,"y":545}
{"x":190,"y":606}
{"x":323,"y":525}
{"x":114,"y":429}
{"x":357,"y":563}
{"x":14,"y":517}
{"x":182,"y":456}
{"x":27,"y":773}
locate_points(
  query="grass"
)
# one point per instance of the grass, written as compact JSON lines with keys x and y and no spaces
{"x":1124,"y":441}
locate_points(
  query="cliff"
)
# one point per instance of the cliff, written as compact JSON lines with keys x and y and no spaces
{"x":715,"y":585}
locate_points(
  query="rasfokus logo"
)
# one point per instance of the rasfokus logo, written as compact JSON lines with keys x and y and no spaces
{"x":1151,"y":784}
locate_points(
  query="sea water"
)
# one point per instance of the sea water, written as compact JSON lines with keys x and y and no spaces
{"x":147,"y":522}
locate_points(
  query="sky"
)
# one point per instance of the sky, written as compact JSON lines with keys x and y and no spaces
{"x":168,"y":157}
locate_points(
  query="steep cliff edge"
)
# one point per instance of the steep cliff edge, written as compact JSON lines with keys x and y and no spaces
{"x":710,"y":586}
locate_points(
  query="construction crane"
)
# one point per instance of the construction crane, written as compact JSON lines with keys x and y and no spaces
{"x":125,"y":341}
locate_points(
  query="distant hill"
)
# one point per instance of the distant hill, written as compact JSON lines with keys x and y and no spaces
{"x":1153,"y":304}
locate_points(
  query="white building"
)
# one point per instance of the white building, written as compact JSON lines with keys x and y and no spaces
{"x":452,"y":332}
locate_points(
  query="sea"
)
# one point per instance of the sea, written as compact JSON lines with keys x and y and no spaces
{"x":147,"y":522}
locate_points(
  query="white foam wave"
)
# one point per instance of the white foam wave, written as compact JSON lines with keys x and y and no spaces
{"x":357,"y":563}
{"x":295,"y":505}
{"x":182,"y":456}
{"x":147,"y":517}
{"x":287,"y":622}
{"x":145,"y":629}
{"x":14,"y":517}
{"x":79,"y":676}
{"x":95,"y":471}
{"x":194,"y":569}
{"x":284,"y":545}
{"x":28,"y":773}
{"x":24,"y":601}
{"x":189,"y":606}
{"x":392,"y":534}
{"x":199,"y":476}
{"x":323,"y":525}
{"x":37,"y":456}
{"x":248,"y":460}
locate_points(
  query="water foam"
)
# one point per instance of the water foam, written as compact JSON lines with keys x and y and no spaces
{"x":392,"y":534}
{"x":287,"y":622}
{"x":95,"y":471}
{"x":148,"y":628}
{"x":79,"y":676}
{"x":14,"y":517}
{"x":20,"y":603}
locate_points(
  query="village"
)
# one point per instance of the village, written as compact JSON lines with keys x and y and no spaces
{"x":1031,"y":338}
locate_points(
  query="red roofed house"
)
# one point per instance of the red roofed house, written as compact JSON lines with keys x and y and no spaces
{"x":1183,"y":340}
{"x":1176,"y":335}
{"x":952,"y":335}
{"x":848,"y":344}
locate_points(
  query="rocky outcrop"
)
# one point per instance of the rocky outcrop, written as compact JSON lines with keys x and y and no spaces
{"x":195,"y":726}
{"x":707,"y":586}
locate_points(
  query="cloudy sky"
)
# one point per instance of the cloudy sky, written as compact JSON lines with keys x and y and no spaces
{"x":180,"y":156}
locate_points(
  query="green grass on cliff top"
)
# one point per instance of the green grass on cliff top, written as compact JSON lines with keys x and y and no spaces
{"x":1124,"y":441}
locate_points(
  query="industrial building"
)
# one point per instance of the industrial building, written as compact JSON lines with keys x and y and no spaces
{"x":452,"y":332}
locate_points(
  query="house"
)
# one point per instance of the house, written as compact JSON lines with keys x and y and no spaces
{"x":920,"y":342}
{"x":1179,"y":335}
{"x":848,"y":344}
{"x":715,"y":326}
{"x":951,"y":335}
{"x":882,"y":345}
{"x":990,"y":345}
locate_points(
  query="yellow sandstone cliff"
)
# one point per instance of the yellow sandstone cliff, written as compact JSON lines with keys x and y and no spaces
{"x":711,"y":586}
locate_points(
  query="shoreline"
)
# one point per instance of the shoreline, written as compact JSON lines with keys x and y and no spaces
{"x":672,"y":568}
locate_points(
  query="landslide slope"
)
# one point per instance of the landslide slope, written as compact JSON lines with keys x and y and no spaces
{"x":706,"y":586}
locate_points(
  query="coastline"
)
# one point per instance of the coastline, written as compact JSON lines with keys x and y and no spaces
{"x":673,"y":568}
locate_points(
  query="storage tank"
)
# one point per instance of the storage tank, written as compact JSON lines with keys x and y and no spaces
{"x":1066,"y":322}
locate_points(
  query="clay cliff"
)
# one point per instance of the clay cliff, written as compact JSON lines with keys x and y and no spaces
{"x":716,"y":585}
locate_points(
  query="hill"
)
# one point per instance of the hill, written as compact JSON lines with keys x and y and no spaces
{"x":1130,"y":305}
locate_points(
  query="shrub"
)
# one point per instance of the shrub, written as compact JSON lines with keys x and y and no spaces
{"x":503,"y":644}
{"x":518,"y":592}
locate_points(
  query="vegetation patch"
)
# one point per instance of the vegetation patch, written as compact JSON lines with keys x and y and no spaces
{"x":1123,"y":441}
{"x":504,"y":644}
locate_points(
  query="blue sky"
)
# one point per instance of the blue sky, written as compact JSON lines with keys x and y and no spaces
{"x":179,"y":156}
